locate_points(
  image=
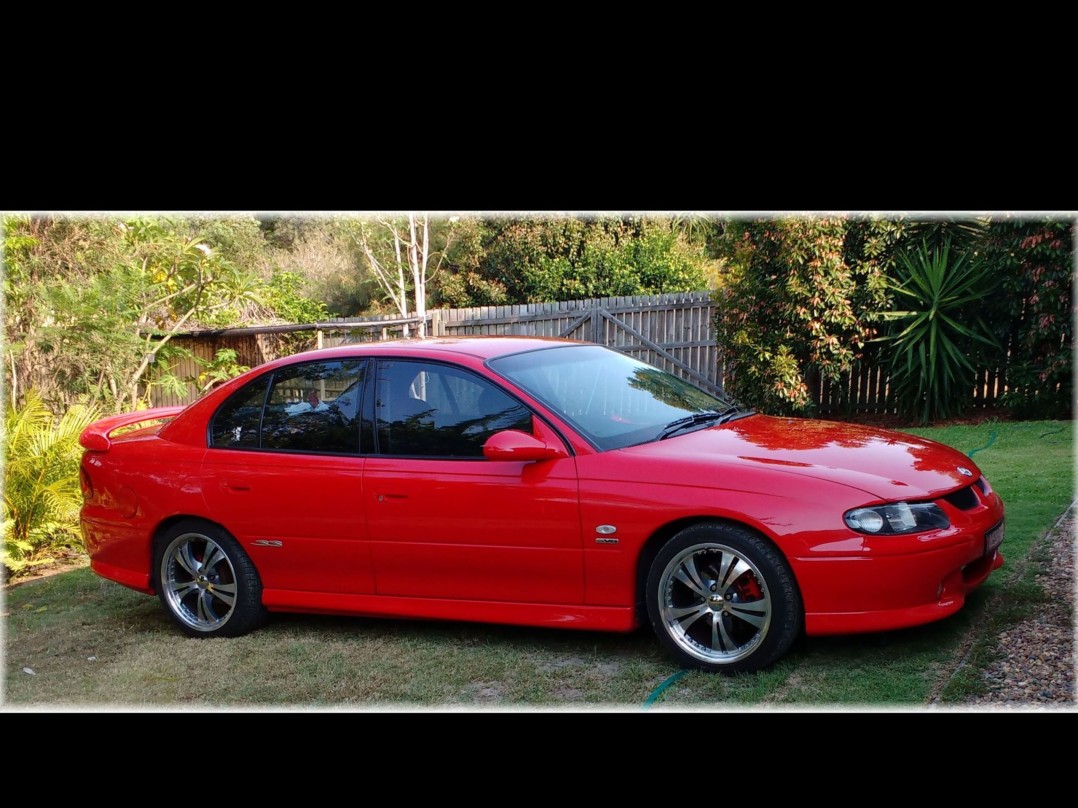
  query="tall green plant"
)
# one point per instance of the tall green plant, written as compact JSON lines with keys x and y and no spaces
{"x":798,"y":296}
{"x":938,"y":330}
{"x":41,"y":481}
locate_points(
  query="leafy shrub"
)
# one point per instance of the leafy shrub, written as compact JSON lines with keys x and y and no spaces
{"x":469,"y":288}
{"x":570,"y":258}
{"x":1033,"y":316}
{"x":41,"y":482}
{"x":799,"y":296}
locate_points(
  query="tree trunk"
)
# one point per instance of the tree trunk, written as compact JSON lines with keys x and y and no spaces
{"x":419,"y":271}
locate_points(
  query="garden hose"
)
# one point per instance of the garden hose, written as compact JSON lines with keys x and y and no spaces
{"x":991,"y":440}
{"x":665,"y":684}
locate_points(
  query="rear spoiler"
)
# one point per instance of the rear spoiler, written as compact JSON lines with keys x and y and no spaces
{"x":96,"y":437}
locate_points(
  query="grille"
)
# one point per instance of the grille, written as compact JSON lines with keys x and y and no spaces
{"x":964,"y":499}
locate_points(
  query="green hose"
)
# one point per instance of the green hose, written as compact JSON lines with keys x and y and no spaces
{"x":991,"y":440}
{"x":659,"y":690}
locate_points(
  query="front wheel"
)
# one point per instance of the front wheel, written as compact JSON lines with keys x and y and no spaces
{"x":207,"y":582}
{"x":723,"y":599}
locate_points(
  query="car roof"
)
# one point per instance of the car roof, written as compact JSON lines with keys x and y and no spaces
{"x":189,"y":426}
{"x":482,"y":347}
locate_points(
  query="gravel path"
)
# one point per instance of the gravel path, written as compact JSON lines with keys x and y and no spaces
{"x":1037,"y":669}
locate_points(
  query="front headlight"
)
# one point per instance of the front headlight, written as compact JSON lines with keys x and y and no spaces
{"x":897,"y":517}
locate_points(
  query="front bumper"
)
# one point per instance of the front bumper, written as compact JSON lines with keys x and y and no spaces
{"x":880,"y":583}
{"x":949,"y":597}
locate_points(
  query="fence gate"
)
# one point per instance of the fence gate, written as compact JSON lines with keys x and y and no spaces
{"x":671,"y":331}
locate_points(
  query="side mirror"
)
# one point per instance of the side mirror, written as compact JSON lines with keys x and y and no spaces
{"x":512,"y":444}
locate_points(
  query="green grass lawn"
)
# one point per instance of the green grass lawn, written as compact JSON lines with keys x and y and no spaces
{"x":91,"y":643}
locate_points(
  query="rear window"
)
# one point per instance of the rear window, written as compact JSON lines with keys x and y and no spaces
{"x":312,"y":407}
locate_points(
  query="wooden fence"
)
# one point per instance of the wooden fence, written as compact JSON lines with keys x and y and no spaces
{"x":866,"y":390}
{"x":671,"y":331}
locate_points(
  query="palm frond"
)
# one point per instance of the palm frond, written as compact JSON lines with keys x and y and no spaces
{"x":937,"y":328}
{"x":41,"y":488}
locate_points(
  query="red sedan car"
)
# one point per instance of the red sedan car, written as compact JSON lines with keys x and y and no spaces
{"x":535,"y":482}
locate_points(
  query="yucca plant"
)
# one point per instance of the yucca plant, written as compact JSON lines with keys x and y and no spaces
{"x":41,"y":482}
{"x":938,"y":327}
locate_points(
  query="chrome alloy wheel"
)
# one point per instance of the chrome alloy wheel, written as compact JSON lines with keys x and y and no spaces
{"x":198,"y":581}
{"x":714,"y":603}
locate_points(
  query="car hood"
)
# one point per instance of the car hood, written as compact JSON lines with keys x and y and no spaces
{"x":886,"y":464}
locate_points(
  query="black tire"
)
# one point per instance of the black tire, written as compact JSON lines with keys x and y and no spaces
{"x":721,"y":598}
{"x":207,"y":583}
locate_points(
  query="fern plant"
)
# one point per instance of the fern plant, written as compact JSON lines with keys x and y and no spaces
{"x":41,"y":482}
{"x":941,"y":293}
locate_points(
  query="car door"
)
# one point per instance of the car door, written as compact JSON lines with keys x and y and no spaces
{"x":285,"y":475}
{"x":444,"y":521}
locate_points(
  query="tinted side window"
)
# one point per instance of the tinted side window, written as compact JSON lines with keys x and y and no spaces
{"x":235,"y":426}
{"x":313,"y":408}
{"x":429,"y":410}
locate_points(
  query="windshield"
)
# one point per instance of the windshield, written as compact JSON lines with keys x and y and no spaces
{"x":611,"y":399}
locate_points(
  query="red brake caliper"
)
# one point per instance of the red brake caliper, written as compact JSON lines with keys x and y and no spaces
{"x":747,"y":587}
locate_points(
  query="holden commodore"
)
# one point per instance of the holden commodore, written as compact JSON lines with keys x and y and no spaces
{"x":535,"y":482}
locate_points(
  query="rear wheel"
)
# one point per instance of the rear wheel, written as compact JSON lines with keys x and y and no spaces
{"x":207,"y":582}
{"x":722,"y":598}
